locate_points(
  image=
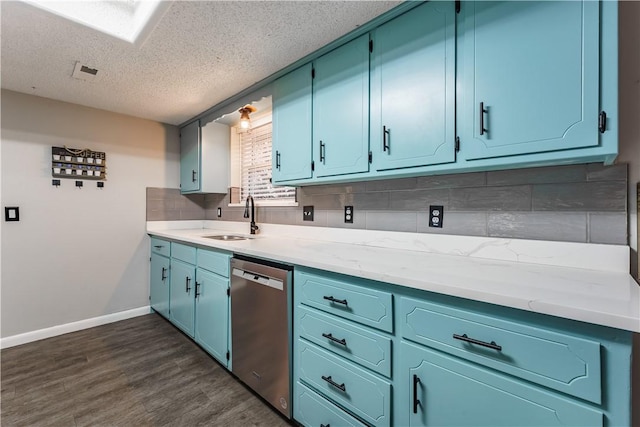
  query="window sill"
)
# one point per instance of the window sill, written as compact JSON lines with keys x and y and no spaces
{"x":264,"y":203}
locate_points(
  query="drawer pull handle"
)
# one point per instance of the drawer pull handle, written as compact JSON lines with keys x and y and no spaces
{"x":323,"y":156}
{"x":416,"y":401}
{"x":482,"y":113}
{"x":193,"y":176}
{"x":334,"y":339}
{"x":187,"y":280}
{"x":335,"y":384}
{"x":197,"y":289}
{"x":491,"y":345}
{"x":325,"y":425}
{"x":386,"y":135}
{"x":164,"y":274}
{"x":337,"y":301}
{"x":159,"y":246}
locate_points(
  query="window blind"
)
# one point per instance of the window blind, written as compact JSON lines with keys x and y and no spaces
{"x":255,"y":156}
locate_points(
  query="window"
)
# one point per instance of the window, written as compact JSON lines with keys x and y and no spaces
{"x":255,"y":161}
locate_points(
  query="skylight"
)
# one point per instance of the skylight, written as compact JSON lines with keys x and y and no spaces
{"x":128,"y":20}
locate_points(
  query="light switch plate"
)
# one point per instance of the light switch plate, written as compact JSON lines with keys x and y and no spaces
{"x":11,"y":213}
{"x":307,"y":213}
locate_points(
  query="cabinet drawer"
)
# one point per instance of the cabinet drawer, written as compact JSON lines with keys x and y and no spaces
{"x":562,"y":362}
{"x":216,"y":262}
{"x":358,"y":303}
{"x":160,"y":247}
{"x":354,"y":342}
{"x":347,"y":384}
{"x":183,"y":253}
{"x":313,"y":410}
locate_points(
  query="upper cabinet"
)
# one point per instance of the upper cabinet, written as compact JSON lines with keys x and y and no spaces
{"x":413,"y":88}
{"x":204,"y":158}
{"x":341,"y":110}
{"x":291,"y":147}
{"x":190,"y":157}
{"x":450,"y":87}
{"x":530,"y":79}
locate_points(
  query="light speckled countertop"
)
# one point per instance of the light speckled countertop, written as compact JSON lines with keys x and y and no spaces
{"x":512,"y":273}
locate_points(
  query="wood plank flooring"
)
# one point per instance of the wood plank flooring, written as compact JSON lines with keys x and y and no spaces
{"x":137,"y":372}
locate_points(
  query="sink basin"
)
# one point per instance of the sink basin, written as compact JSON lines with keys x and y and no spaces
{"x":228,"y":237}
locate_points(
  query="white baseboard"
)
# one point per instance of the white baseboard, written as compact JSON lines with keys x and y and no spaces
{"x":53,"y":331}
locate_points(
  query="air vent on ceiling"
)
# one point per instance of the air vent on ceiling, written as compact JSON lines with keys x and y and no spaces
{"x":84,"y":72}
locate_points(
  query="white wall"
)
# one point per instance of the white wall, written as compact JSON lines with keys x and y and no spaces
{"x":76,"y":253}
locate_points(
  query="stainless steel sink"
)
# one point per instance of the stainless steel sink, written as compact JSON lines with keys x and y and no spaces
{"x":228,"y":237}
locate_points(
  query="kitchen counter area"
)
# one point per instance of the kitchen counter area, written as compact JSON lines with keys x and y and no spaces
{"x":535,"y":276}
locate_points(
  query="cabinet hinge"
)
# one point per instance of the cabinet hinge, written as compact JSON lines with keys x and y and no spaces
{"x":457,"y":6}
{"x":370,"y":45}
{"x":313,"y":73}
{"x":457,"y":144}
{"x":370,"y":157}
{"x":602,"y":122}
{"x":313,"y":166}
{"x":228,"y":355}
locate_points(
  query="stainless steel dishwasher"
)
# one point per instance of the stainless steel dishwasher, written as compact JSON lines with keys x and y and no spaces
{"x":260,"y":325}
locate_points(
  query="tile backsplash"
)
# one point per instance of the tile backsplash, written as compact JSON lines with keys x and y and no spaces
{"x":575,"y":203}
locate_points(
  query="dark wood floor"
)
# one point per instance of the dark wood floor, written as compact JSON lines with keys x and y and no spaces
{"x":137,"y":372}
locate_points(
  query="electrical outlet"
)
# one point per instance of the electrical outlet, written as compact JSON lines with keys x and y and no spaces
{"x":307,"y":213}
{"x":348,"y":214}
{"x":100,"y":184}
{"x":219,"y":212}
{"x":79,"y":184}
{"x":55,"y":182}
{"x":436,"y":216}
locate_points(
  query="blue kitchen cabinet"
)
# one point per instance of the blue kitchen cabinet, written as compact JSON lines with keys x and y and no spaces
{"x":204,"y":157}
{"x":182,"y":295}
{"x":190,"y":143}
{"x":341,"y":110}
{"x":292,"y":118}
{"x":446,"y":361}
{"x":413,"y":88}
{"x":529,"y":78}
{"x":159,"y":284}
{"x":212,"y":314}
{"x":440,"y":390}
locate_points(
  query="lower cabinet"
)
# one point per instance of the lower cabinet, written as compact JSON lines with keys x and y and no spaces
{"x":159,"y":286}
{"x":191,"y":289}
{"x":446,"y":361}
{"x":212,"y":314}
{"x":442,"y":390}
{"x":182,"y":296}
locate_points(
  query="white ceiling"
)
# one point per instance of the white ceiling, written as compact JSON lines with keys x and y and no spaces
{"x":199,"y":54}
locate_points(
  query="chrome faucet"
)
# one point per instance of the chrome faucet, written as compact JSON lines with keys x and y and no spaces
{"x":254,"y":227}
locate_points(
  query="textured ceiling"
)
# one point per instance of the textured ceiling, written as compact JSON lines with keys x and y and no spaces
{"x":199,"y":54}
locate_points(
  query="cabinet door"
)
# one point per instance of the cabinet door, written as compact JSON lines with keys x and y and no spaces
{"x":413,"y":88}
{"x":159,"y":286}
{"x":291,"y":146}
{"x":182,"y":300}
{"x":212,"y":314}
{"x":531,"y":77}
{"x":341,"y":110}
{"x":190,"y":157}
{"x":440,"y":390}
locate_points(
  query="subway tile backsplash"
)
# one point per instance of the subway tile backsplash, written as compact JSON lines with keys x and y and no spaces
{"x":575,"y":203}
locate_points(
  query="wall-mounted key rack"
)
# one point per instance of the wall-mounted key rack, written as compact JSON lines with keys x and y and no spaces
{"x":78,"y":163}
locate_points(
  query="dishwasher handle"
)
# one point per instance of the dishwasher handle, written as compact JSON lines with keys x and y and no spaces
{"x":258,"y":278}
